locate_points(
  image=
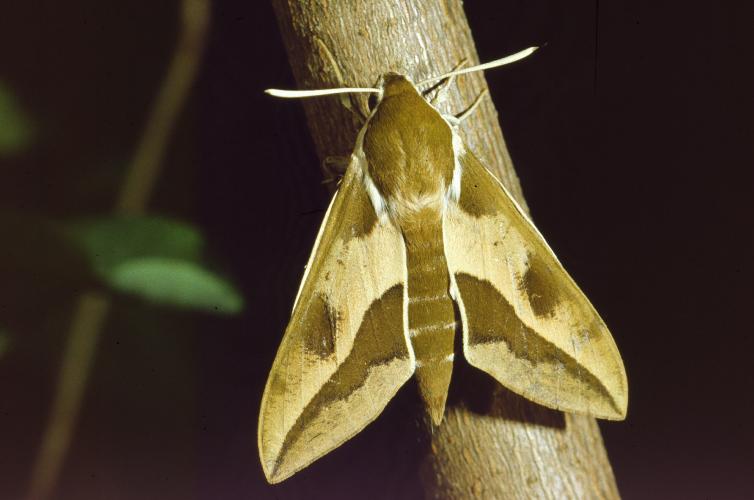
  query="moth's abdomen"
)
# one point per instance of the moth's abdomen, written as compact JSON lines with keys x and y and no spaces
{"x":431,"y":316}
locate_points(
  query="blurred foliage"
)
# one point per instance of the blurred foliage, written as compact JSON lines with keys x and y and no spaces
{"x":156,"y":259}
{"x":16,"y":129}
{"x":66,"y":147}
{"x":110,"y":241}
{"x":177,"y":283}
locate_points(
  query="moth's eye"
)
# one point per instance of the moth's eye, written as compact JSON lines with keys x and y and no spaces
{"x":372,"y":101}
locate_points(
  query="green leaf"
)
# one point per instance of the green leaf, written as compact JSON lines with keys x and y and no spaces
{"x":110,"y":241}
{"x":177,"y":283}
{"x":157,"y":259}
{"x":16,"y":129}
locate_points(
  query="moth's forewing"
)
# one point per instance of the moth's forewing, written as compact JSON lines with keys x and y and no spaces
{"x":525,"y":322}
{"x":345,"y":351}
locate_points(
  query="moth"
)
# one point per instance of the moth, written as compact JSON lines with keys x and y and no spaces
{"x":419,"y":244}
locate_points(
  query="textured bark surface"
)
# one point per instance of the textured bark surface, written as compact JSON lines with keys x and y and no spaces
{"x":492,"y":443}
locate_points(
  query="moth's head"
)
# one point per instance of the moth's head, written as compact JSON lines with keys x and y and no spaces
{"x":395,"y":84}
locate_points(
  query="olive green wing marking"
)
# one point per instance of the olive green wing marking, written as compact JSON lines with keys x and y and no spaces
{"x":525,"y":322}
{"x":345,"y":352}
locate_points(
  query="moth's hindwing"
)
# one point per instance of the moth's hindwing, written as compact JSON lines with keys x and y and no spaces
{"x":345,"y":352}
{"x":525,"y":322}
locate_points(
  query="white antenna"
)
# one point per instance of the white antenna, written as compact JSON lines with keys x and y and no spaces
{"x":295,"y":94}
{"x":481,"y":67}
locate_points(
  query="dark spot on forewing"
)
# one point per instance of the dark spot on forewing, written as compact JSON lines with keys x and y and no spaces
{"x":353,"y":215}
{"x":492,"y":319}
{"x":278,"y":383}
{"x":321,"y":326}
{"x":379,"y":340}
{"x":541,"y":287}
{"x":480,"y":194}
{"x":359,"y":213}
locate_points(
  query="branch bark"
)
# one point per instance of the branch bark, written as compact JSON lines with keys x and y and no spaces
{"x":492,"y":443}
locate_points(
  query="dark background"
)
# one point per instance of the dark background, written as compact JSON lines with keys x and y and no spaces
{"x":632,"y":134}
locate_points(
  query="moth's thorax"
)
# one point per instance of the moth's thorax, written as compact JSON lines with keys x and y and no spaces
{"x":408,"y":148}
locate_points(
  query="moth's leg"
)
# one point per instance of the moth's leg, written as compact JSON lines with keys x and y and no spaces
{"x":348,"y":101}
{"x":334,"y":168}
{"x":459,"y":118}
{"x":352,"y":103}
{"x":441,"y":89}
{"x":356,"y":107}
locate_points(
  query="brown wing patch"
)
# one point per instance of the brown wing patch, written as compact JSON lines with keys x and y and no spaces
{"x":359,"y":227}
{"x":492,"y":320}
{"x":356,"y":393}
{"x":540,"y":286}
{"x":477,"y":199}
{"x":322,"y":320}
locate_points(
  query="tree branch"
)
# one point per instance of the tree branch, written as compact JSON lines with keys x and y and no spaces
{"x":492,"y":443}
